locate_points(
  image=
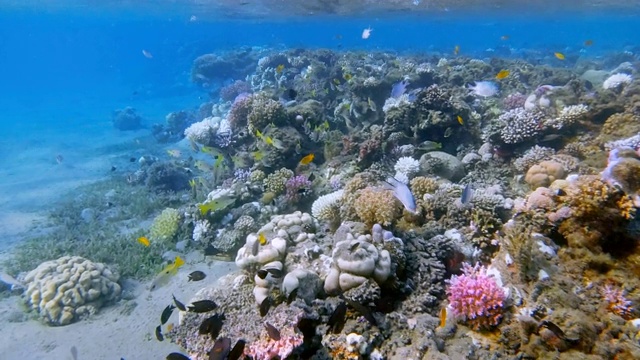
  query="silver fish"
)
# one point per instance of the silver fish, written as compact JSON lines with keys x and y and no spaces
{"x":402,"y":192}
{"x":10,"y":280}
{"x":467,"y":195}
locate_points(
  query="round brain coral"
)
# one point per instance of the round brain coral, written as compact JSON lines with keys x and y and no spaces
{"x":62,"y":291}
{"x":544,"y":173}
{"x":476,"y":297}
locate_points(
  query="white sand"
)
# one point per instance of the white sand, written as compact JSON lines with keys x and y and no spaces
{"x":109,"y":334}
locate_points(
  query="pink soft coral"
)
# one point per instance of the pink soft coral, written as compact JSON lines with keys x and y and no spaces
{"x":476,"y":297}
{"x":267,"y":348}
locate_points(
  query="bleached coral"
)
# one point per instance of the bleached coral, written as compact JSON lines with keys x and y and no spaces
{"x":326,"y":206}
{"x":395,"y":102}
{"x":484,"y":88}
{"x":63,"y":290}
{"x":407,"y":167}
{"x":616,"y":80}
{"x":203,"y":132}
{"x":200,"y":230}
{"x":568,"y":116}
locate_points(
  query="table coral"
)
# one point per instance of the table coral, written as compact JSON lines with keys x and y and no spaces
{"x":63,"y":290}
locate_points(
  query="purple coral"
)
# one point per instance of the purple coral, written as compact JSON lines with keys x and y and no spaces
{"x":476,"y":297}
{"x":231,"y":91}
{"x":617,"y":303}
{"x":240,"y":109}
{"x":296,"y":187}
{"x":514,"y":101}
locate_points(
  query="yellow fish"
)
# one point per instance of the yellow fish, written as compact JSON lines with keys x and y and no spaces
{"x":443,"y":317}
{"x":258,"y":155}
{"x":588,"y":42}
{"x":259,"y":134}
{"x":262,"y":239}
{"x":268,"y":140}
{"x":144,"y":241}
{"x":347,"y":76}
{"x":192,"y":183}
{"x":559,"y":56}
{"x":174,"y":153}
{"x":165,"y":275}
{"x":279,"y":68}
{"x":502,"y":74}
{"x":307,"y":159}
{"x":456,"y":50}
{"x":460,"y":120}
{"x":169,"y":327}
{"x":202,"y":166}
{"x":215,"y":205}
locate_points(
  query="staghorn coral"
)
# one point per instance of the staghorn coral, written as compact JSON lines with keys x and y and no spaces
{"x":64,"y":290}
{"x":533,"y":156}
{"x":568,"y":116}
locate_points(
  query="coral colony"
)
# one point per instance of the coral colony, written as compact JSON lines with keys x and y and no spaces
{"x":354,"y":193}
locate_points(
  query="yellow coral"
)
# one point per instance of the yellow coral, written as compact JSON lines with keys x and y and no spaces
{"x":377,"y":206}
{"x":619,"y":126}
{"x":422,"y":185}
{"x":165,"y":226}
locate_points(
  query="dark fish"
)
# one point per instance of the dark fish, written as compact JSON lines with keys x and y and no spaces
{"x":202,"y":306}
{"x":177,"y":356}
{"x":74,"y":353}
{"x":354,"y":246}
{"x":237,"y":351}
{"x":197,"y":276}
{"x":276,"y":273}
{"x":113,"y":168}
{"x":557,"y":331}
{"x":262,"y":273}
{"x":132,"y":159}
{"x":588,"y":85}
{"x":467,"y":194}
{"x":211,"y":325}
{"x":265,"y":306}
{"x":560,"y":192}
{"x":337,"y":318}
{"x":220,"y":349}
{"x":159,"y":333}
{"x":363,"y":310}
{"x":179,"y":305}
{"x":166,"y":314}
{"x":272,"y":331}
{"x":312,"y":177}
{"x":211,"y":251}
{"x":292,"y":296}
{"x":290,"y":94}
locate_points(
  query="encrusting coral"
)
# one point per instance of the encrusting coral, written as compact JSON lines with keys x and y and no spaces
{"x":64,"y":290}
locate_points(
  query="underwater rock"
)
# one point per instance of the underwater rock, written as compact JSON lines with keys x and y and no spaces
{"x":126,"y":119}
{"x":442,"y":164}
{"x":623,"y":171}
{"x":167,"y":177}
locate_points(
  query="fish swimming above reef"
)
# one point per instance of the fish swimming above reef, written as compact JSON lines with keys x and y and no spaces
{"x":197,"y":276}
{"x":165,"y":275}
{"x":215,"y":205}
{"x":402,"y":192}
{"x":179,"y":305}
{"x":202,"y":306}
{"x":220,"y":349}
{"x":166,"y":314}
{"x":10,"y":281}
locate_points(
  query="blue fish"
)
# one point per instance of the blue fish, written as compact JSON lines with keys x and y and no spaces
{"x":399,"y":88}
{"x":402,"y":192}
{"x":467,"y":195}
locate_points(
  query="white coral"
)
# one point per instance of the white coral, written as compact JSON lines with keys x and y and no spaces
{"x":568,"y":116}
{"x":324,"y":206}
{"x":203,"y":132}
{"x":407,"y":165}
{"x":616,"y":80}
{"x":393,"y":103}
{"x":200,"y":230}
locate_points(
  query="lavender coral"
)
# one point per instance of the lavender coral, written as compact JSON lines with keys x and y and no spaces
{"x":476,"y":297}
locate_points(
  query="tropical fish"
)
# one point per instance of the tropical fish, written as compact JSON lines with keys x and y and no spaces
{"x":59,"y":159}
{"x":588,"y":42}
{"x":202,"y":306}
{"x":165,"y":275}
{"x":169,"y":327}
{"x":402,"y":192}
{"x":262,"y":239}
{"x":467,"y":195}
{"x":502,"y":74}
{"x":10,"y":280}
{"x":192,"y":183}
{"x":456,"y":50}
{"x":211,"y":250}
{"x":202,"y":166}
{"x":220,"y":349}
{"x":179,"y":305}
{"x":429,"y":146}
{"x":194,"y":145}
{"x":215,"y":205}
{"x":559,"y":55}
{"x":276,"y":273}
{"x":166,"y":314}
{"x":366,"y":33}
{"x":144,"y":241}
{"x":363,"y":310}
{"x":460,"y":120}
{"x":307,"y":159}
{"x":237,"y":351}
{"x":258,"y":155}
{"x":197,"y":276}
{"x":159,"y":333}
{"x":337,"y":319}
{"x":211,"y":325}
{"x":147,"y":54}
{"x":177,"y":356}
{"x":504,"y":37}
{"x":265,"y":305}
{"x":279,"y":68}
{"x":443,"y":317}
{"x":347,"y":76}
{"x":292,"y":296}
{"x":174,"y":153}
{"x":272,"y":331}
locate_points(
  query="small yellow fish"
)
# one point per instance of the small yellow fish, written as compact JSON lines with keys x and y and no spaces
{"x":307,"y":159}
{"x":502,"y":74}
{"x":559,"y":56}
{"x":336,"y":81}
{"x":262,"y":239}
{"x":202,"y":166}
{"x":165,"y":275}
{"x":347,"y":76}
{"x":313,"y":93}
{"x":258,"y":155}
{"x":169,"y":327}
{"x":279,"y":68}
{"x":460,"y":120}
{"x":144,"y":241}
{"x":443,"y":317}
{"x":259,"y":134}
{"x":456,"y":50}
{"x":174,"y":153}
{"x":268,"y":140}
{"x":192,"y":183}
{"x":215,"y":205}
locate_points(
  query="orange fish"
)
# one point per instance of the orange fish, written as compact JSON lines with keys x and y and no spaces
{"x":559,"y":55}
{"x":147,"y":54}
{"x":443,"y":317}
{"x":456,"y":50}
{"x":144,"y":241}
{"x":460,"y":120}
{"x":504,"y":37}
{"x":502,"y":74}
{"x":307,"y":159}
{"x":588,"y":42}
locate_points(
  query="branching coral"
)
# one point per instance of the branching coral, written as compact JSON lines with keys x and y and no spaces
{"x":377,"y":206}
{"x":165,"y":226}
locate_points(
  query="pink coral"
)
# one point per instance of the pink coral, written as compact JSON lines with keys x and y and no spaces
{"x":296,"y":187}
{"x":267,"y":348}
{"x":476,"y":297}
{"x":617,"y":303}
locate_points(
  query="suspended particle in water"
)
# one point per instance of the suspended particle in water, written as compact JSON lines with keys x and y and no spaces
{"x":416,"y":2}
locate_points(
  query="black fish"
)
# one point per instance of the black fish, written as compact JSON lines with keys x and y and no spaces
{"x":166,"y":314}
{"x":312,"y":176}
{"x":363,"y":310}
{"x":272,"y":331}
{"x":197,"y":276}
{"x":159,"y":333}
{"x":203,"y":306}
{"x":292,"y":296}
{"x":212,"y":325}
{"x":179,"y":305}
{"x":265,"y":306}
{"x":220,"y":349}
{"x":177,"y":356}
{"x":354,"y":246}
{"x":337,"y":319}
{"x":292,"y":94}
{"x":113,"y":168}
{"x":211,"y":251}
{"x":132,"y":159}
{"x":588,"y":85}
{"x":237,"y":351}
{"x":557,"y":331}
{"x":276,"y":273}
{"x":262,"y":273}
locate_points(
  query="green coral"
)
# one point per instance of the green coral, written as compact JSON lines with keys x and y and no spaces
{"x":276,"y":181}
{"x":166,"y":225}
{"x":257,"y":176}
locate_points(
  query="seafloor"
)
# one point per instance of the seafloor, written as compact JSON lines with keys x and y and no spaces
{"x":377,"y":206}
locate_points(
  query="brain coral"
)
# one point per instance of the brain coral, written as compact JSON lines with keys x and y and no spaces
{"x":62,"y":291}
{"x":544,"y":173}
